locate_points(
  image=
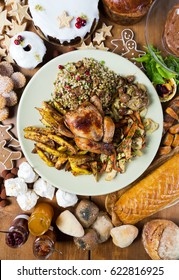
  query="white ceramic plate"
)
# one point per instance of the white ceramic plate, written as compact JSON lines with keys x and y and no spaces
{"x":40,"y":88}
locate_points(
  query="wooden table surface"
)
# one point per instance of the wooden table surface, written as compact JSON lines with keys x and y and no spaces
{"x":104,"y":251}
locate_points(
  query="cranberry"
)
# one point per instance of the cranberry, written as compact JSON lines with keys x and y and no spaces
{"x":16,"y":42}
{"x":83,"y":22}
{"x":78,"y":25}
{"x":78,"y":78}
{"x":87,"y":72}
{"x":78,"y":19}
{"x":60,"y":67}
{"x":162,"y":90}
{"x":20,"y":38}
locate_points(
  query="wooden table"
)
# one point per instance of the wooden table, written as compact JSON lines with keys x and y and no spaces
{"x":104,"y":251}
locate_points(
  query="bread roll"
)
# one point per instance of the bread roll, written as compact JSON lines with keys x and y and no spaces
{"x":153,"y":193}
{"x":161,"y":239}
{"x":126,"y":12}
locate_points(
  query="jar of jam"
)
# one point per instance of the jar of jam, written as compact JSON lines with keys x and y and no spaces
{"x":18,"y":232}
{"x":44,"y":245}
{"x":40,"y":220}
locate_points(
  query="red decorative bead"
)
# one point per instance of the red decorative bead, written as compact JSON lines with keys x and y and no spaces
{"x":78,"y":25}
{"x":78,"y":19}
{"x":16,"y":42}
{"x":83,"y":22}
{"x":20,"y":38}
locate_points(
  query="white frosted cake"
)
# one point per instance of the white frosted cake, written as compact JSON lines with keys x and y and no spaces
{"x":64,"y":21}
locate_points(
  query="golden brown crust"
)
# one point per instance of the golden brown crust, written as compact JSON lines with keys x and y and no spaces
{"x":152,"y":238}
{"x":126,"y":12}
{"x":153,"y":193}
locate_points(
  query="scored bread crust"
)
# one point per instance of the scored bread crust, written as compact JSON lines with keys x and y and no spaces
{"x":153,"y":193}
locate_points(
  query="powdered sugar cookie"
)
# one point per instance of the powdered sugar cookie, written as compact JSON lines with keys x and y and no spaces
{"x":11,"y":98}
{"x":19,"y":79}
{"x":6,"y":69}
{"x":6,"y":84}
{"x":27,"y":49}
{"x":2,"y":102}
{"x":4,"y":114}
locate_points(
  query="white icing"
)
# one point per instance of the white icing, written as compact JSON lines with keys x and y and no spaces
{"x":47,"y":18}
{"x":66,"y":199}
{"x":27,"y":59}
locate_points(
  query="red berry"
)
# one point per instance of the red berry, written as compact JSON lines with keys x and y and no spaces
{"x":87,"y":72}
{"x":78,"y":25}
{"x":60,"y":67}
{"x":78,"y":19}
{"x":83,"y":22}
{"x":16,"y":42}
{"x":78,"y":78}
{"x":20,"y":38}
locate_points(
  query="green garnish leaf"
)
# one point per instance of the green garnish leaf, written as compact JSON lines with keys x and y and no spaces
{"x":155,"y":71}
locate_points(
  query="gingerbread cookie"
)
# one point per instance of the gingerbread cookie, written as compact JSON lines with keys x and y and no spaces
{"x":7,"y":136}
{"x":7,"y":156}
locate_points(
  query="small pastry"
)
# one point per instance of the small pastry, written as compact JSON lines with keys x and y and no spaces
{"x":124,"y":235}
{"x":6,"y":84}
{"x":15,"y":186}
{"x":11,"y":98}
{"x":2,"y":102}
{"x":4,"y":114}
{"x":6,"y":69}
{"x":161,"y":239}
{"x":68,"y":224}
{"x":27,"y":200}
{"x":19,"y":79}
{"x":27,"y":49}
{"x":88,"y":241}
{"x":66,"y":199}
{"x":27,"y":173}
{"x":103,"y":226}
{"x":86,"y":212}
{"x":44,"y":189}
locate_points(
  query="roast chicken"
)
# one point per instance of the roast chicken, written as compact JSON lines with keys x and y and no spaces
{"x":91,"y":129}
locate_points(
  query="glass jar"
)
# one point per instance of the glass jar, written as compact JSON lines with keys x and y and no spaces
{"x":40,"y":220}
{"x":43,"y":245}
{"x":126,"y":12}
{"x":18,"y":232}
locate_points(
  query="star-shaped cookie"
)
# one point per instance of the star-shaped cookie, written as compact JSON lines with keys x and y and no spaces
{"x":99,"y":37}
{"x":88,"y":47}
{"x":4,"y":21}
{"x":106,"y":29}
{"x":16,"y":28}
{"x":19,"y":12}
{"x":64,"y":20}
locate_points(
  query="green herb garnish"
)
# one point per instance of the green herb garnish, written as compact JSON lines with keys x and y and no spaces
{"x":155,"y":71}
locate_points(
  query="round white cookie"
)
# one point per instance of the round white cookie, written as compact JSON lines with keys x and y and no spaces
{"x":27,"y":49}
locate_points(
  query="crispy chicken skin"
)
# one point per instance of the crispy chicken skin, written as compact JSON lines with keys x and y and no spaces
{"x":94,"y":147}
{"x":109,"y":128}
{"x":85,"y":122}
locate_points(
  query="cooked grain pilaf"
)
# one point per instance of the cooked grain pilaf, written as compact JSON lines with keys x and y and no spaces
{"x":77,"y":81}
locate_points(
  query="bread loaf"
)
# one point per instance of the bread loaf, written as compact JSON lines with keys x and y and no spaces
{"x":153,"y":193}
{"x":161,"y":239}
{"x":126,"y":12}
